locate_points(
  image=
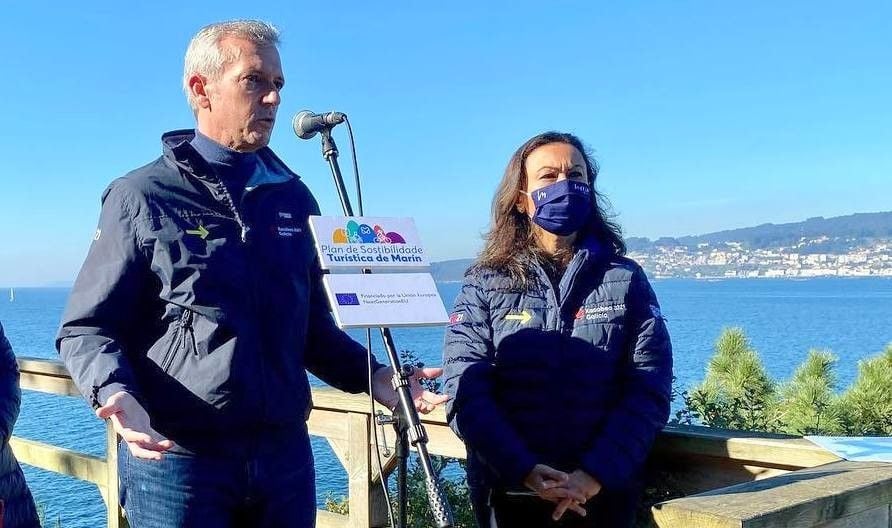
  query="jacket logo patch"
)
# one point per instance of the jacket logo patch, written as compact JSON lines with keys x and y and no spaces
{"x":201,"y":232}
{"x":524,"y":317}
{"x":456,"y":318}
{"x":655,"y":310}
{"x":285,"y":227}
{"x":599,"y":313}
{"x":97,"y":234}
{"x":288,"y":231}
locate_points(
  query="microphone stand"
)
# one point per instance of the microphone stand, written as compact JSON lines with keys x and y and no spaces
{"x":405,"y":417}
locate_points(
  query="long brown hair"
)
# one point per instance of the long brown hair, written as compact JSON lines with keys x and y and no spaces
{"x":510,"y":242}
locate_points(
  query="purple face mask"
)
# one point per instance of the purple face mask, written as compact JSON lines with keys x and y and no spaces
{"x":563,"y":207}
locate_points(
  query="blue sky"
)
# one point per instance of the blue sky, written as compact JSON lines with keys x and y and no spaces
{"x":703,"y":115}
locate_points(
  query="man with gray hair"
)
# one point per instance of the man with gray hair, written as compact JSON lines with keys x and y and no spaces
{"x":199,"y":308}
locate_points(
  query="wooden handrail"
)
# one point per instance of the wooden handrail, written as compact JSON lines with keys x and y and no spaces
{"x":346,"y":421}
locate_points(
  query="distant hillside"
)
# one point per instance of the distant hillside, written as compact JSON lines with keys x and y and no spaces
{"x":450,"y":270}
{"x":840,"y":232}
{"x":822,"y":235}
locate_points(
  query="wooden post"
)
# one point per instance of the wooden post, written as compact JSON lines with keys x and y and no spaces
{"x":378,"y":517}
{"x":377,"y":500}
{"x":358,"y":469}
{"x":115,"y":515}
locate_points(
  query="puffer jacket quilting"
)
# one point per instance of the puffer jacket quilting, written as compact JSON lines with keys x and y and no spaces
{"x":578,"y":377}
{"x":20,"y":511}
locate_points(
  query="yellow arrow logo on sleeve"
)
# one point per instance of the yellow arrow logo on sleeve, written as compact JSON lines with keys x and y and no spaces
{"x":524,"y":317}
{"x":201,"y":231}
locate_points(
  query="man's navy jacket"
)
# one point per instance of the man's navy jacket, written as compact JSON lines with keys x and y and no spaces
{"x":207,"y":311}
{"x":577,"y":377}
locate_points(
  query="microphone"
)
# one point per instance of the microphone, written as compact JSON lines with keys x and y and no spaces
{"x":306,"y":124}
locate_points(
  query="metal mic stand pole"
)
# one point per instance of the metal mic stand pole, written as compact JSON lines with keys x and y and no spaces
{"x":405,"y":417}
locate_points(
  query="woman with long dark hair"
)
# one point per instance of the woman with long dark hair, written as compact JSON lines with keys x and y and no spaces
{"x":557,"y":358}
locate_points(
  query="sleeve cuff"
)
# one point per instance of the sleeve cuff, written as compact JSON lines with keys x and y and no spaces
{"x":520,"y":467}
{"x":102,"y":394}
{"x":603,"y":468}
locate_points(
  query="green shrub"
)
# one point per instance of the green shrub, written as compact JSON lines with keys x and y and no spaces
{"x":737,"y":394}
{"x":337,"y":504}
{"x":866,"y":408}
{"x":808,"y":403}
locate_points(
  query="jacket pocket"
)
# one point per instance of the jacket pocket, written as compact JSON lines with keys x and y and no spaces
{"x":183,"y":338}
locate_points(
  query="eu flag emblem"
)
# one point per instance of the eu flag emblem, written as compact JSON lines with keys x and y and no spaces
{"x":347,"y":299}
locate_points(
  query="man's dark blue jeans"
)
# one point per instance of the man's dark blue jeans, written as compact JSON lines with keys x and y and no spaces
{"x":270,"y":483}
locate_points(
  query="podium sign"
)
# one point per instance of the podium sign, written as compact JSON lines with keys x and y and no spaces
{"x":367,"y":242}
{"x":385,"y":299}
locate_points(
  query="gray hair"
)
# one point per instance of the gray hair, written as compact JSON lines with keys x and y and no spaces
{"x":204,"y":55}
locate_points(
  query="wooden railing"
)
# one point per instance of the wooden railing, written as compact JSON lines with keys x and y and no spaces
{"x":52,"y":377}
{"x":718,"y":472}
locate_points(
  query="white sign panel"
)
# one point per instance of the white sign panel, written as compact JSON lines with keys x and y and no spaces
{"x":857,"y":448}
{"x":367,"y":242}
{"x":384,"y":299}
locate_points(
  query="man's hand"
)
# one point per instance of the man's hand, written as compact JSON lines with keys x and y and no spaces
{"x":131,"y":421}
{"x":552,"y":485}
{"x":425,"y":401}
{"x":583,"y":485}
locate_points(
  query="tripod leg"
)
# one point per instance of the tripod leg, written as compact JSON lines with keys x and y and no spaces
{"x":402,"y":450}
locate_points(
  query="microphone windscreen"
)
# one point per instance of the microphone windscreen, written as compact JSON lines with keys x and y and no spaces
{"x":302,"y":124}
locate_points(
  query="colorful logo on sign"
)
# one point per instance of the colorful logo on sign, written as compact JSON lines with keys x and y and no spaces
{"x":356,"y":233}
